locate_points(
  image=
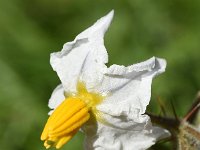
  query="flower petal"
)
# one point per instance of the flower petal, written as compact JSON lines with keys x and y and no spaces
{"x":129,"y":92}
{"x":138,"y":135}
{"x":57,"y":97}
{"x":129,"y":87}
{"x":84,"y":57}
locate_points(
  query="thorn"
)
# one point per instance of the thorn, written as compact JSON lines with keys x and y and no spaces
{"x":166,"y":122}
{"x":191,"y":113}
{"x":161,"y":104}
{"x":174,"y":111}
{"x":190,"y":116}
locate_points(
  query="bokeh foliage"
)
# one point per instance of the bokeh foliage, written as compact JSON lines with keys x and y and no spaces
{"x":31,"y":30}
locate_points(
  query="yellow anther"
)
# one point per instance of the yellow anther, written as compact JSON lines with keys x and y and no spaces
{"x":67,"y":113}
{"x":74,"y":126}
{"x":67,"y":123}
{"x":70,"y":115}
{"x":66,"y":105}
{"x":46,"y":145}
{"x":65,"y":139}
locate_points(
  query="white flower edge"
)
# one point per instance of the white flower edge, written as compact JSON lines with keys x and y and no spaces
{"x":106,"y":138}
{"x":128,"y":90}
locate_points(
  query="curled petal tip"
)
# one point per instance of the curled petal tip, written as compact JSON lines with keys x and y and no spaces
{"x":162,"y":63}
{"x":106,"y":20}
{"x":109,"y":16}
{"x":99,"y":28}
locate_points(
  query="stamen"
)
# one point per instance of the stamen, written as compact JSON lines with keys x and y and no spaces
{"x":67,"y":118}
{"x":70,"y":115}
{"x":56,"y":112}
{"x":67,"y":113}
{"x":67,"y":123}
{"x":47,"y":145}
{"x":76,"y":125}
{"x":64,"y":140}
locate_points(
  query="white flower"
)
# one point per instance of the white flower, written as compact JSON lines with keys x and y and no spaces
{"x":110,"y":102}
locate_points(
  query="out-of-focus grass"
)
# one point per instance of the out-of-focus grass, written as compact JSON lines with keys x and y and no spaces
{"x":31,"y":30}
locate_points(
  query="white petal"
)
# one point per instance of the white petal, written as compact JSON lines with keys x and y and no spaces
{"x":160,"y":133}
{"x":138,"y":135}
{"x":57,"y":97}
{"x":129,"y":92}
{"x":84,"y":57}
{"x":129,"y":88}
{"x":99,"y":28}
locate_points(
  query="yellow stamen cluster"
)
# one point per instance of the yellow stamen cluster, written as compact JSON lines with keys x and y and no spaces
{"x":69,"y":116}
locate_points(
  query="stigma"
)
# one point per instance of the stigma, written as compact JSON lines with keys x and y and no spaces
{"x":70,"y":116}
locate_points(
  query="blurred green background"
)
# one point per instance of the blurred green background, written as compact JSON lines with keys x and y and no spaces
{"x":31,"y":30}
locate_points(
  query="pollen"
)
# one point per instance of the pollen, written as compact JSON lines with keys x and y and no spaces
{"x":70,"y":115}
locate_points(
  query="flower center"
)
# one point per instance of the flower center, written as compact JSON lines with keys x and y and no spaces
{"x":70,"y":115}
